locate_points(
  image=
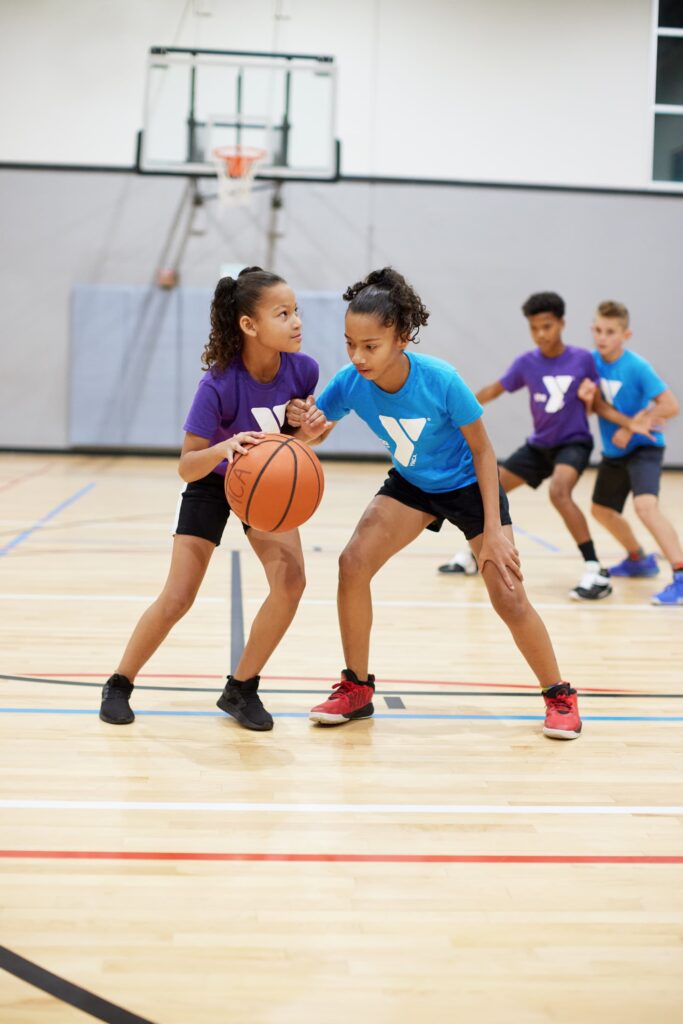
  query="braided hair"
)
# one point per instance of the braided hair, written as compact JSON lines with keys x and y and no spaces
{"x":233,"y":299}
{"x":387,"y":295}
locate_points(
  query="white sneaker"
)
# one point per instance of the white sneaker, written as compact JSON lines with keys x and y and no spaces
{"x":463,"y":562}
{"x":593,"y":585}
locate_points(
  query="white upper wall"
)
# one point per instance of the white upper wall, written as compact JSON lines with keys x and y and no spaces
{"x":528,"y":91}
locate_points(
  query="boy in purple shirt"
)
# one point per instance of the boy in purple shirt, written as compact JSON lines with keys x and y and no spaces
{"x":561,"y":442}
{"x":253,"y":369}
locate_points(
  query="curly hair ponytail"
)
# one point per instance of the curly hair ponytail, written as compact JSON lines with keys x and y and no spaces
{"x":387,"y":295}
{"x":233,"y":299}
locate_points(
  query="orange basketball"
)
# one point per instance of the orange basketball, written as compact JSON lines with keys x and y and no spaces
{"x":276,"y":486}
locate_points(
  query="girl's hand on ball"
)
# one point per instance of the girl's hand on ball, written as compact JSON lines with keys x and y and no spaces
{"x":239,"y":444}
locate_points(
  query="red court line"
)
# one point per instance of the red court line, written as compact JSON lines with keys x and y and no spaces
{"x":19,"y":479}
{"x":327,"y":679}
{"x":347,"y":858}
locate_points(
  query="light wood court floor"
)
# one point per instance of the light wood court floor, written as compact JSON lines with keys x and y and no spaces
{"x":442,"y":862}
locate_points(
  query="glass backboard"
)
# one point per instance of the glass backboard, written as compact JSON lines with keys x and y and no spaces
{"x":200,"y":100}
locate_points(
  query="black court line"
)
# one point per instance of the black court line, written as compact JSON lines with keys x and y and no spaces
{"x":236,"y":611}
{"x":382,"y":693}
{"x":65,"y":991}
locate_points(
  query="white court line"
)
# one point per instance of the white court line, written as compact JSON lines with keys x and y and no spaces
{"x":101,"y":597}
{"x":545,"y":605}
{"x":269,"y":808}
{"x":377,"y":603}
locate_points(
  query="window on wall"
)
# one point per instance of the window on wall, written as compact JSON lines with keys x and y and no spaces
{"x":667,"y":162}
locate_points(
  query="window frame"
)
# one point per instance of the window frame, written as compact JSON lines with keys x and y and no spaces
{"x":676,"y":109}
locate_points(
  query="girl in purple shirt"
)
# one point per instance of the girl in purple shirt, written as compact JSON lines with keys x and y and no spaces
{"x":253,"y":369}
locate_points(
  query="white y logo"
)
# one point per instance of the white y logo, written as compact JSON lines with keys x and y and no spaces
{"x":557,"y":388}
{"x":270,"y":420}
{"x":404,"y":434}
{"x":610,"y":389}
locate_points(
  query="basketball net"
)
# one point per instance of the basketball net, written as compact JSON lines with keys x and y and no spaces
{"x":235,"y":167}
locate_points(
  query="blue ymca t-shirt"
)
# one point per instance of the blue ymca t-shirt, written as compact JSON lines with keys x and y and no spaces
{"x":629,"y":384}
{"x":420,"y":424}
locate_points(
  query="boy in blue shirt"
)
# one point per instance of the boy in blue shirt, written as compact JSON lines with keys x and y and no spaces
{"x":632,"y":462}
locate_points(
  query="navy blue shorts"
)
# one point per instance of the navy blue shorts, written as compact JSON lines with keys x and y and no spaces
{"x":534,"y":464}
{"x":462,"y":507}
{"x":640,"y":471}
{"x":203,"y":509}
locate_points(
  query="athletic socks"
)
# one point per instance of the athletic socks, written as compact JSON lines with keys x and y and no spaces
{"x":587,"y":549}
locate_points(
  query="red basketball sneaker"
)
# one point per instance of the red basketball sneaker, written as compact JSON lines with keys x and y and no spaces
{"x":562,"y":721}
{"x":350,"y":699}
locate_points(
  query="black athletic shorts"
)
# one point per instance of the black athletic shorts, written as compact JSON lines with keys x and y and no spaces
{"x":535,"y":464}
{"x":203,"y":509}
{"x":462,"y":507}
{"x":639,"y":471}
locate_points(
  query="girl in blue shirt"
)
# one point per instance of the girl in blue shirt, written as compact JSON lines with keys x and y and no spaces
{"x":444,"y":467}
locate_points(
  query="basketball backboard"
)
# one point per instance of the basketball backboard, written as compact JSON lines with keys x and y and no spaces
{"x":200,"y":100}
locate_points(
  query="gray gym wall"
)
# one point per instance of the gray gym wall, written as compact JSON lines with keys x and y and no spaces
{"x":474,"y":254}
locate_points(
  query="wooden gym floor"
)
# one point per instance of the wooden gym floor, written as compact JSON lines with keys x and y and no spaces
{"x":441,"y":862}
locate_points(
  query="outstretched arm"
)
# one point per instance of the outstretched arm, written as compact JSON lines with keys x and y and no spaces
{"x":490,"y":392}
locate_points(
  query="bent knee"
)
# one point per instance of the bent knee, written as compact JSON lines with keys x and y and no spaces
{"x":645,"y":504}
{"x":174,"y":604}
{"x":509,"y":604}
{"x":602,"y":512}
{"x":560,"y":495}
{"x":290,"y":586}
{"x":352,"y":565}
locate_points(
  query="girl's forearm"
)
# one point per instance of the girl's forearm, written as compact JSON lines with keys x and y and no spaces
{"x":486,"y":468}
{"x":197,"y":464}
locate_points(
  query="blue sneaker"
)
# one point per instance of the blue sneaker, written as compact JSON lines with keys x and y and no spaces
{"x":671,"y":595}
{"x":646,"y":566}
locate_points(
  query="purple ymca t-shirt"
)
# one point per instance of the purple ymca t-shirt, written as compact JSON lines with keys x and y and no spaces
{"x":230,"y":402}
{"x":558,"y":413}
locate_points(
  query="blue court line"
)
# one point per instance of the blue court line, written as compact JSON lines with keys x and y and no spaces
{"x":537,"y":540}
{"x":21,"y":537}
{"x":304,"y":714}
{"x":236,"y":611}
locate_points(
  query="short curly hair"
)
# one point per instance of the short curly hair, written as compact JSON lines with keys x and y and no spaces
{"x":387,"y":295}
{"x":544,"y":302}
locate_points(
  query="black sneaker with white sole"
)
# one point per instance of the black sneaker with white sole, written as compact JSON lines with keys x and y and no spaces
{"x":241,"y":700}
{"x":593,"y":585}
{"x":115,"y":708}
{"x":463,"y":562}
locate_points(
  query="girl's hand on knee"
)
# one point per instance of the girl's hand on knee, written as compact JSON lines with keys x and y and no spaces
{"x":498,"y":549}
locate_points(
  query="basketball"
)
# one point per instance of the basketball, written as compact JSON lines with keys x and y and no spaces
{"x":276,"y":486}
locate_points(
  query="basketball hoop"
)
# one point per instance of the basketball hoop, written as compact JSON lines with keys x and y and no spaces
{"x":235,"y":167}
